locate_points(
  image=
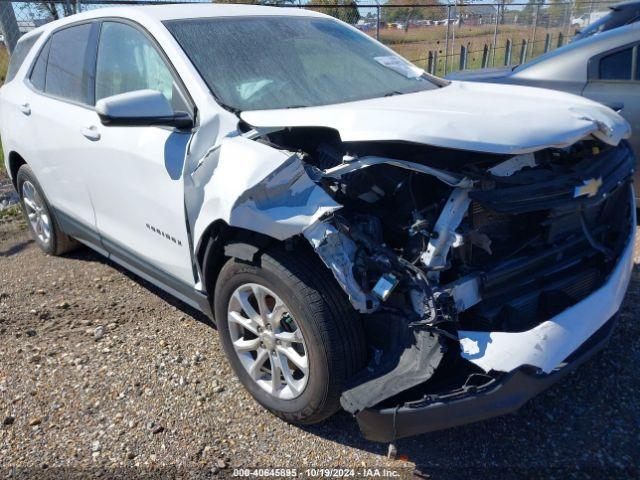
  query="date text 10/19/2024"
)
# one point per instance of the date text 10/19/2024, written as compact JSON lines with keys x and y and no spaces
{"x":363,"y":472}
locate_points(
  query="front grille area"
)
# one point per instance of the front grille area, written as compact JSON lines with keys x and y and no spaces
{"x":542,"y":262}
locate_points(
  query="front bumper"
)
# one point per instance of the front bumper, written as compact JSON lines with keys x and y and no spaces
{"x":508,"y":395}
{"x":533,"y":360}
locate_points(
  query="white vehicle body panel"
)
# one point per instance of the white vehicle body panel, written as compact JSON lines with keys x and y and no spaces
{"x":60,"y":166}
{"x":137,"y":190}
{"x":501,"y":119}
{"x":13,"y":95}
{"x":253,"y":186}
{"x":67,"y":164}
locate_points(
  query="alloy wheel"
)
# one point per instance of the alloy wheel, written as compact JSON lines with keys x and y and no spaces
{"x":268,"y":341}
{"x":36,"y":212}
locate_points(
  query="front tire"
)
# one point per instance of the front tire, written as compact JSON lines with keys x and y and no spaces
{"x":39,"y":215}
{"x":289,"y":332}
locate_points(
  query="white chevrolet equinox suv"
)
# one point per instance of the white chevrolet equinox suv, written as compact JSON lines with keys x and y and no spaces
{"x":423,"y":253}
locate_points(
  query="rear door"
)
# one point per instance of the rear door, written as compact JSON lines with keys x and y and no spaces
{"x":135,"y":176}
{"x":61,"y":115}
{"x":614,"y":79}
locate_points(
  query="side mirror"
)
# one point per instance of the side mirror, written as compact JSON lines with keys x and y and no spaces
{"x":139,"y":109}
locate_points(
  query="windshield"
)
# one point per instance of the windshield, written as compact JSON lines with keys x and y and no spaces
{"x":258,"y":63}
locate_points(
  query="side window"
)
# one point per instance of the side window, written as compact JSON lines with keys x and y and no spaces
{"x":19,"y":54}
{"x":616,"y":66}
{"x":128,"y":61}
{"x":69,"y":56}
{"x":39,"y":72}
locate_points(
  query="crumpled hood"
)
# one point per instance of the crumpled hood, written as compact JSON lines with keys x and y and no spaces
{"x":482,"y":117}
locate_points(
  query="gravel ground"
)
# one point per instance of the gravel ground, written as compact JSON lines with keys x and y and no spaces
{"x":100,"y":370}
{"x":8,"y":195}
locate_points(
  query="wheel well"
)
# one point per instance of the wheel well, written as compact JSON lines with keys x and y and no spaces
{"x":15,"y":161}
{"x":220,"y":242}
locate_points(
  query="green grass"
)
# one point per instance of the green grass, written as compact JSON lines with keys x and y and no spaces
{"x":417,"y":42}
{"x":4,"y":63}
{"x":11,"y":212}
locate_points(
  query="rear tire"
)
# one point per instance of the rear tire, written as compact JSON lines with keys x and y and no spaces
{"x":42,"y":222}
{"x":317,"y":311}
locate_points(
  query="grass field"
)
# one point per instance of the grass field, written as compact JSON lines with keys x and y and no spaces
{"x":4,"y":62}
{"x":417,"y":42}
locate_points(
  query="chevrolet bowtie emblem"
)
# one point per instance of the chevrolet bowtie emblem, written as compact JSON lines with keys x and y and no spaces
{"x":589,"y":188}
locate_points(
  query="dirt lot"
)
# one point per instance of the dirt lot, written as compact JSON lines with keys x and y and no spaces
{"x":100,"y":370}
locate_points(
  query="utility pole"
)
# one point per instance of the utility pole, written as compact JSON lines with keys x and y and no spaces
{"x":9,"y":25}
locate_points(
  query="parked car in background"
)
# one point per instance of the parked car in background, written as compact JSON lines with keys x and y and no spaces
{"x":620,"y":15}
{"x":604,"y":68}
{"x":424,"y":253}
{"x":587,"y":18}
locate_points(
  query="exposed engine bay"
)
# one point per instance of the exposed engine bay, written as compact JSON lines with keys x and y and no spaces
{"x":430,"y":242}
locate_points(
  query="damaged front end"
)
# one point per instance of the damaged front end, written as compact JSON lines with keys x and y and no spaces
{"x":470,"y":269}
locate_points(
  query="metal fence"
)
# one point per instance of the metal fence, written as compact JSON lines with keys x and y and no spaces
{"x":440,"y":37}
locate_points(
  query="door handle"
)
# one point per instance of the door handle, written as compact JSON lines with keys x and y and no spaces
{"x":25,"y":108}
{"x":91,"y":133}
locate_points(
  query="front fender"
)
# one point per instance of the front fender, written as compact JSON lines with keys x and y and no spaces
{"x":253,"y":186}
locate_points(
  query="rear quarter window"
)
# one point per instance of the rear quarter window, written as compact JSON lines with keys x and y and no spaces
{"x":39,"y":72}
{"x":616,"y":66}
{"x":21,"y":51}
